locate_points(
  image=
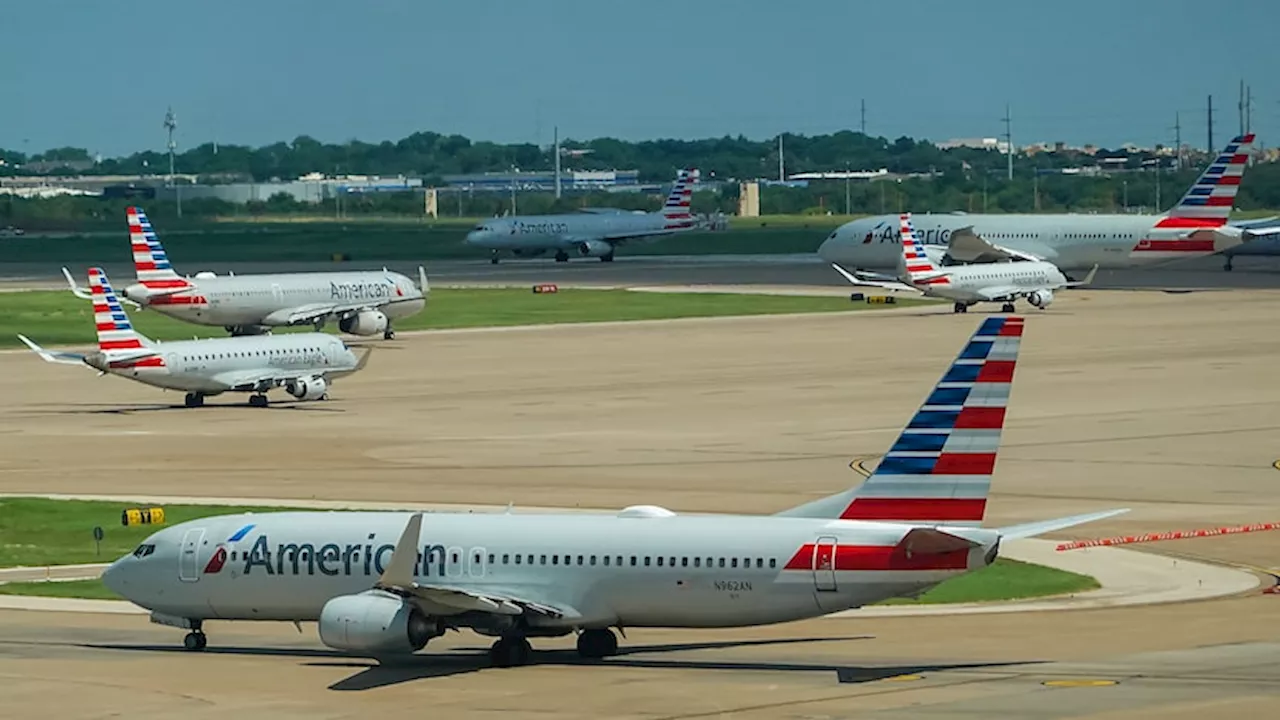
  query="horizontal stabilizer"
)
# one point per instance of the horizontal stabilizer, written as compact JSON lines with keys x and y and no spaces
{"x":1032,"y":529}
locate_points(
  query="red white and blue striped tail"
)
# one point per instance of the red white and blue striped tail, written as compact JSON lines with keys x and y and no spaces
{"x":939,"y":470}
{"x":1211,"y":198}
{"x":677,"y":209}
{"x":149,"y":259}
{"x":115,"y":332}
{"x":915,"y":262}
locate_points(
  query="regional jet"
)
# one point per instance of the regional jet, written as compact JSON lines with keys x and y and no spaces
{"x":362,"y":302}
{"x":590,"y":233}
{"x":385,"y":583}
{"x":304,"y":364}
{"x":1197,"y":226}
{"x":968,"y":285}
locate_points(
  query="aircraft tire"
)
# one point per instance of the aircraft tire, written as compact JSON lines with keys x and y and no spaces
{"x":510,"y":652}
{"x":606,"y":258}
{"x":562,"y":256}
{"x":193,"y":400}
{"x":389,"y":334}
{"x":258,"y":400}
{"x":195,"y":642}
{"x":597,"y":643}
{"x":1007,"y":308}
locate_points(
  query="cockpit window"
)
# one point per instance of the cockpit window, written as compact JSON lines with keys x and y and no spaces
{"x":480,"y":227}
{"x":833,"y":235}
{"x":144,"y":550}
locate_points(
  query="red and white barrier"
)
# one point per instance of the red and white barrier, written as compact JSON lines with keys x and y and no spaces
{"x":1171,"y":535}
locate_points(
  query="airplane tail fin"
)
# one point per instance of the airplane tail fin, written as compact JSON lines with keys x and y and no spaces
{"x":1210,"y":199}
{"x":676,"y":210}
{"x":115,"y":332}
{"x":149,"y":259}
{"x":915,"y":264}
{"x":939,"y":469}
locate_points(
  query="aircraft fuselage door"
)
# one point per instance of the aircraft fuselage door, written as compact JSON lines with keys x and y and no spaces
{"x":824,"y":564}
{"x":189,"y":555}
{"x":276,"y":293}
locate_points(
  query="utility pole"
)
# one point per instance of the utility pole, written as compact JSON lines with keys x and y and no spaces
{"x":1177,"y":140}
{"x":1210,"y":148}
{"x":514,"y":180}
{"x":863,"y":124}
{"x":171,"y":124}
{"x":782,"y":176}
{"x":1240,"y":106}
{"x":556,"y":143}
{"x":1248,"y":109}
{"x":1008,"y":138}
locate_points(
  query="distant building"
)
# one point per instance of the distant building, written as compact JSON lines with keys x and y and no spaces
{"x":996,"y":144}
{"x":545,"y":181}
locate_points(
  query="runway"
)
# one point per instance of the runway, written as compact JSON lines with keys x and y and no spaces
{"x":1153,"y":401}
{"x":631,"y":271}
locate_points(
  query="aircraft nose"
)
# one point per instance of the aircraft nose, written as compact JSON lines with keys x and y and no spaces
{"x":474,"y":237}
{"x":113,"y":578}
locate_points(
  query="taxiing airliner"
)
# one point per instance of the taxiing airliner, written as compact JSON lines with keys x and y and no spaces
{"x":1197,"y":226}
{"x":589,"y":233}
{"x":385,"y":583}
{"x":362,"y":302}
{"x":968,"y":285}
{"x":304,"y":364}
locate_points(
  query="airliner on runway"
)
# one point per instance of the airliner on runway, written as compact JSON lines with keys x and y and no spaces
{"x":383,"y":583}
{"x":304,"y":364}
{"x":1195,"y":227}
{"x":967,"y":285}
{"x":363,"y":302}
{"x":589,"y":233}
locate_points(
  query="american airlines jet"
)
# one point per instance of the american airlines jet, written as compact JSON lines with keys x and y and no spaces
{"x":968,"y":285}
{"x":362,"y":302}
{"x":589,"y":233}
{"x":385,"y":583}
{"x":304,"y":364}
{"x":1195,"y":227}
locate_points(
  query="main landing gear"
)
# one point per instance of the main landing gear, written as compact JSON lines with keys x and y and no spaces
{"x":194,"y":399}
{"x":1226,"y":265}
{"x":389,"y":334}
{"x":258,"y":400}
{"x":606,"y":258}
{"x":514,"y":650}
{"x":1007,"y":308}
{"x":493,"y":259}
{"x":960,"y":307}
{"x":562,"y":256}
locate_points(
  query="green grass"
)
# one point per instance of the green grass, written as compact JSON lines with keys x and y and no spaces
{"x":1004,"y":580}
{"x":59,"y":318}
{"x":38,"y":531}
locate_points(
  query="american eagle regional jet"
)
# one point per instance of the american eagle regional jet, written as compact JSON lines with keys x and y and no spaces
{"x":362,"y":302}
{"x":304,"y":364}
{"x":385,"y":583}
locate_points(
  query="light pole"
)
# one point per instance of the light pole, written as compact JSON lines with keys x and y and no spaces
{"x":171,"y":124}
{"x":847,"y":206}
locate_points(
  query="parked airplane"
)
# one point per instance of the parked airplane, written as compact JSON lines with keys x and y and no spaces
{"x":1195,"y":227}
{"x":966,"y":285}
{"x":590,"y":233}
{"x":381,"y":583}
{"x":304,"y":364}
{"x":363,"y":302}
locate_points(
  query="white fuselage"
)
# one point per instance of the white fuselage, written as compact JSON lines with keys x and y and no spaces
{"x":268,"y":300}
{"x":966,"y":283}
{"x":1070,"y":242}
{"x":582,"y":233}
{"x":675,"y":571}
{"x":204,"y":366}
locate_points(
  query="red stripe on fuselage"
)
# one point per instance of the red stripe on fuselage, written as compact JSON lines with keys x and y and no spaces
{"x":878,"y":557}
{"x":1184,"y":245}
{"x":915,"y":509}
{"x":178,"y":300}
{"x":154,"y":361}
{"x":1191,"y":222}
{"x":165,"y":284}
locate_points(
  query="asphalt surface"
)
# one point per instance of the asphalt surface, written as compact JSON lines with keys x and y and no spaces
{"x":630,"y":271}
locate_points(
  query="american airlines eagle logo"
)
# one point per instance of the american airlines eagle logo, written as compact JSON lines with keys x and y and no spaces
{"x":216,"y":562}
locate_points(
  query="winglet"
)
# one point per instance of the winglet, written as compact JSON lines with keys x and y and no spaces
{"x":1087,"y":278}
{"x":399,"y":572}
{"x":422,"y":281}
{"x":75,"y":289}
{"x":364,"y":359}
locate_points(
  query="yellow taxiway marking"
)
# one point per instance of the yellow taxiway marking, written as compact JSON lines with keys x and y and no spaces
{"x":902,"y":678}
{"x":1080,"y":683}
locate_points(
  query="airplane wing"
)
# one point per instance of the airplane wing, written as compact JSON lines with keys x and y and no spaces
{"x":1087,"y":278}
{"x":999,"y":292}
{"x":305,"y":314}
{"x":883,"y":282}
{"x":267,"y":378}
{"x":398,"y":578}
{"x":52,"y":356}
{"x":968,"y":246}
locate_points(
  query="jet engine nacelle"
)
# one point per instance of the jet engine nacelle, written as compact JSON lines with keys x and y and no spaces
{"x":1041,"y":298}
{"x":377,"y":623}
{"x":365,"y":322}
{"x":312,"y":388}
{"x":594,"y":248}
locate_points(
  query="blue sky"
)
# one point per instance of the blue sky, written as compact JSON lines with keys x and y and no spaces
{"x":99,"y":74}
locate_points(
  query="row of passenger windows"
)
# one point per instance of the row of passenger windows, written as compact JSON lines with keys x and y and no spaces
{"x":597,"y":560}
{"x":252,"y":353}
